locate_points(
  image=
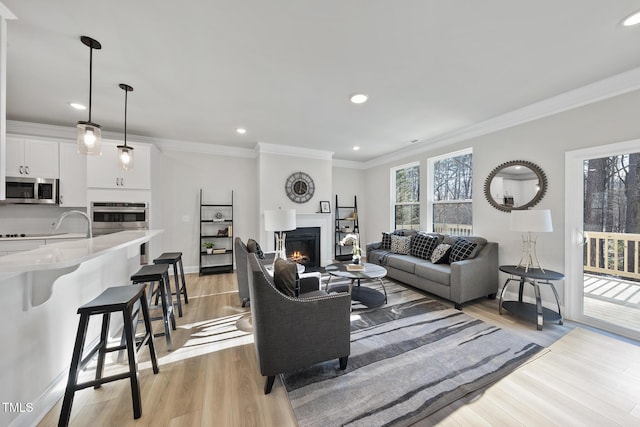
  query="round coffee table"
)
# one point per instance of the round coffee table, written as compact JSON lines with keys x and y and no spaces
{"x":367,"y":296}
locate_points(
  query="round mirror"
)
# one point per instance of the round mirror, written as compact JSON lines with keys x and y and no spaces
{"x":515,"y":185}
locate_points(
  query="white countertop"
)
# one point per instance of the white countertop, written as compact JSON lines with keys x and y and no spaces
{"x":70,"y":253}
{"x":53,"y":236}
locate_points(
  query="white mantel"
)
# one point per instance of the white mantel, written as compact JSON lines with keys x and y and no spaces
{"x":311,"y":220}
{"x":326,"y":233}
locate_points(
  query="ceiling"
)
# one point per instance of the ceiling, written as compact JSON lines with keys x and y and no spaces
{"x":285,"y":69}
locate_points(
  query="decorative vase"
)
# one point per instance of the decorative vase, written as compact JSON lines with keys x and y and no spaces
{"x":209,"y":251}
{"x":356,"y":260}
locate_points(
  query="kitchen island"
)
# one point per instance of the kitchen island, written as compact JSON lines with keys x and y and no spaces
{"x":41,"y":292}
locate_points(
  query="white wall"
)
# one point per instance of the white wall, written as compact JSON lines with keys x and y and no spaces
{"x":183,"y":175}
{"x":542,"y":142}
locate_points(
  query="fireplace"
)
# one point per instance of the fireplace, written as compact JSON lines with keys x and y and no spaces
{"x":303,"y":247}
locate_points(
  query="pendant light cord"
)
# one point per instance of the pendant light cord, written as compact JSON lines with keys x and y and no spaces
{"x":126,"y":95}
{"x":90,"y":79}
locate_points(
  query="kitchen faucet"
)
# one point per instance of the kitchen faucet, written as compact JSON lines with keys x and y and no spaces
{"x":66,"y":214}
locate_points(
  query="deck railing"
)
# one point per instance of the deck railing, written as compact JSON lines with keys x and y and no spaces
{"x":615,"y":254}
{"x":453,"y":229}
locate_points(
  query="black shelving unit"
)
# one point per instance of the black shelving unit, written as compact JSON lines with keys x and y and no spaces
{"x":345,"y":216}
{"x":216,"y":226}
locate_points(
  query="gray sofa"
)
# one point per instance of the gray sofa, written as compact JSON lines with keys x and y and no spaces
{"x":293,"y":333}
{"x":459,"y":281}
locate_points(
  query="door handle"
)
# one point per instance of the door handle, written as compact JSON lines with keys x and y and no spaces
{"x":21,"y":170}
{"x":26,"y":169}
{"x":583,"y":237}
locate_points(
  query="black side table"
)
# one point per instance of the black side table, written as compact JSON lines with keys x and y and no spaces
{"x":535,"y":277}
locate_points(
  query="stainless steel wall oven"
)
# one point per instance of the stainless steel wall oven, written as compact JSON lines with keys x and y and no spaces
{"x":112,"y":217}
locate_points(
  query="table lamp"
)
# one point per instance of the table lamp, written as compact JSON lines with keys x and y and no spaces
{"x":530,"y":221}
{"x":279,"y":221}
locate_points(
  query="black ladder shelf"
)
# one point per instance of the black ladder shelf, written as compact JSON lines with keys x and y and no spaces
{"x":216,"y":226}
{"x":346,"y":222}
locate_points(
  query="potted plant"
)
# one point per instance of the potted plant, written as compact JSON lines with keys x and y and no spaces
{"x":208,"y":246}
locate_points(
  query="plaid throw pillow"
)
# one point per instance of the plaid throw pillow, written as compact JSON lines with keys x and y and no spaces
{"x":461,"y":250}
{"x":386,"y":241}
{"x":422,"y":245}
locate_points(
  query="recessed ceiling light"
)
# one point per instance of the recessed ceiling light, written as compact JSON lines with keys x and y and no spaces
{"x":359,"y":98}
{"x":633,"y":19}
{"x":241,"y":131}
{"x":356,"y":148}
{"x":77,"y":106}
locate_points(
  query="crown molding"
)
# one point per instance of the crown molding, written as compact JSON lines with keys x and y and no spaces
{"x":69,"y":133}
{"x":603,"y":89}
{"x":288,"y":150}
{"x":204,"y":148}
{"x":348,"y":164}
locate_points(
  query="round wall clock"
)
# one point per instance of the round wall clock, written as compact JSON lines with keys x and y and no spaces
{"x":299,"y":187}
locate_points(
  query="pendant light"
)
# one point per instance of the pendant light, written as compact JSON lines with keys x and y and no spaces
{"x":89,"y":133}
{"x":125,"y":153}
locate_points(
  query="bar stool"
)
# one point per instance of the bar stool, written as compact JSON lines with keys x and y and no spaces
{"x":118,"y":298}
{"x":175,"y":259}
{"x":158,"y":274}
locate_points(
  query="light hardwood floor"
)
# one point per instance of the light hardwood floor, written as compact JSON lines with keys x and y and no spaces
{"x":212,"y":378}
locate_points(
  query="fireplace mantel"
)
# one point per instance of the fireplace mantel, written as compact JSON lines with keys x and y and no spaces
{"x":326,"y":233}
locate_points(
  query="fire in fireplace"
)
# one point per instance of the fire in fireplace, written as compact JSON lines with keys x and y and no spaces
{"x":303,"y":247}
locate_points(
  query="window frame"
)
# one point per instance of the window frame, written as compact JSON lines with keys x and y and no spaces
{"x":393,"y":204}
{"x":430,"y":185}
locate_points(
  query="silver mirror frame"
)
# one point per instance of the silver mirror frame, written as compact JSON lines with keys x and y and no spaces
{"x":542,"y":179}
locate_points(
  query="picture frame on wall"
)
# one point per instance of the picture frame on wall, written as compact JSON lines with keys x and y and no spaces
{"x":325,"y":206}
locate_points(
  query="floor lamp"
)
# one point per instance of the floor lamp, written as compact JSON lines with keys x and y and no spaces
{"x":279,"y":221}
{"x":530,"y":221}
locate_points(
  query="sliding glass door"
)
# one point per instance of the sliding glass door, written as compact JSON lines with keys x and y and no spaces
{"x":603,"y":237}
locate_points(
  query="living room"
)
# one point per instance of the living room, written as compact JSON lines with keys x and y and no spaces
{"x":601,"y":112}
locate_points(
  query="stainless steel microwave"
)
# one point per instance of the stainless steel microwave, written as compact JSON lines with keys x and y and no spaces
{"x":31,"y":190}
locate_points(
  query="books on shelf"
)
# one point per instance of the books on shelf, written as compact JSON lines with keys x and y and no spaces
{"x":355,"y":267}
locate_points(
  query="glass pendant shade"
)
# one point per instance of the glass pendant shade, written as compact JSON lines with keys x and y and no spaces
{"x":89,"y":138}
{"x":125,"y":153}
{"x":89,"y":133}
{"x":125,"y":157}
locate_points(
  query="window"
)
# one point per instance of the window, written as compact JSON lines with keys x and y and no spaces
{"x":405,"y":197}
{"x":451,"y":183}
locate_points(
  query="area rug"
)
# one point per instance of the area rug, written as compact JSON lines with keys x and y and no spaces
{"x":407,"y":361}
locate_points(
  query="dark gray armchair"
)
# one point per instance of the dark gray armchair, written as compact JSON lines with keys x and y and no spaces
{"x":241,"y":252}
{"x":294,"y":333}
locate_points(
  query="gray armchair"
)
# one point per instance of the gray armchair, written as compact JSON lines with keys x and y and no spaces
{"x":241,"y":252}
{"x":309,"y":282}
{"x":293,"y":333}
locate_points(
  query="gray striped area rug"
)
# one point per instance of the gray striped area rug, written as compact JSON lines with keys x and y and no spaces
{"x":407,"y":361}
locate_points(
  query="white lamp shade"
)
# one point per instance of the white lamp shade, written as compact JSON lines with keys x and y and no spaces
{"x":536,"y":221}
{"x":280,"y":220}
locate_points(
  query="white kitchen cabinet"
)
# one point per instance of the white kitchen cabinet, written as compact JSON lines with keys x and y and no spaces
{"x":103,"y":171}
{"x":31,"y":158}
{"x":73,"y":176}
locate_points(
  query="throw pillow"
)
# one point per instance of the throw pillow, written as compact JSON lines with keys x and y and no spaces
{"x":254,"y":247}
{"x":285,"y":277}
{"x":422,"y":245}
{"x":461,"y":250}
{"x":440,"y":254}
{"x":386,"y":241}
{"x":400,"y":244}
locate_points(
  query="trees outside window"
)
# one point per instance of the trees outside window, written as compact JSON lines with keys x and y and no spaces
{"x":451,"y":199}
{"x":405,"y":201}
